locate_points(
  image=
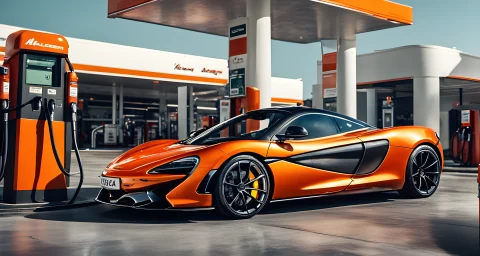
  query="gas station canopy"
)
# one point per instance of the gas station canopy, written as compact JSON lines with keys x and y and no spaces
{"x":299,"y":21}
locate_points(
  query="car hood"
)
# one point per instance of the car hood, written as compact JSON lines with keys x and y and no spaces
{"x":151,"y":154}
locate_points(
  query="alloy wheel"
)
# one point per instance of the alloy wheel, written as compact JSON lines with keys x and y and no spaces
{"x":245,"y":187}
{"x":426,"y":171}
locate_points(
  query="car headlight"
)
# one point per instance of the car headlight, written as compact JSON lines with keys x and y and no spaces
{"x":181,"y":166}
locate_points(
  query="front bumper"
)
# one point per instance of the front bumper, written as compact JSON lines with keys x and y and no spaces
{"x":154,"y":198}
{"x":133,"y":200}
{"x":181,"y":193}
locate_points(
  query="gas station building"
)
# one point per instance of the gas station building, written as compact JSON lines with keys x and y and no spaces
{"x":424,"y":82}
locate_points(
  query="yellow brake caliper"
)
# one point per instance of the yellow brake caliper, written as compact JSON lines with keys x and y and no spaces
{"x":254,"y":193}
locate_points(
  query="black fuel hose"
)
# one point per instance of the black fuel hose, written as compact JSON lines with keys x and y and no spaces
{"x":465,"y":162}
{"x":73,"y":107}
{"x":4,"y":150}
{"x":454,"y":158}
{"x":48,"y":115}
{"x":4,"y":140}
{"x":35,"y":99}
{"x":460,"y":151}
{"x":70,"y":66}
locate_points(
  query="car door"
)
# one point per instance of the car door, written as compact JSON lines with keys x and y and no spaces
{"x":322,"y":162}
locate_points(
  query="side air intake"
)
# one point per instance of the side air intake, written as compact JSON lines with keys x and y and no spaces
{"x":375,"y":152}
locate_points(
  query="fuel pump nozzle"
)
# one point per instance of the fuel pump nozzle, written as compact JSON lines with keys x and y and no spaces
{"x":73,"y":107}
{"x":51,"y":108}
{"x":5,"y":106}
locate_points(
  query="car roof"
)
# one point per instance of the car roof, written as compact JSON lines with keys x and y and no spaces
{"x":293,"y":109}
{"x":298,"y":109}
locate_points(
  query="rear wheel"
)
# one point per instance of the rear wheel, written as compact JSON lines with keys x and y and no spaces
{"x":242,"y":188}
{"x":423,"y":173}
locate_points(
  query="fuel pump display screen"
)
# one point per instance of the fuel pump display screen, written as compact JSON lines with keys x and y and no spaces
{"x":39,"y":70}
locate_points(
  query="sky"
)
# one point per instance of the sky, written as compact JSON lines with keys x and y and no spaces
{"x":449,"y":23}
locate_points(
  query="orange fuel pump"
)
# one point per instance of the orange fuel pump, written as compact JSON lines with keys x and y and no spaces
{"x":42,"y":121}
{"x":465,"y":142}
{"x":209,"y":121}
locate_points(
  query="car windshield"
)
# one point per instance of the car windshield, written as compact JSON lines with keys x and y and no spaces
{"x":237,"y":127}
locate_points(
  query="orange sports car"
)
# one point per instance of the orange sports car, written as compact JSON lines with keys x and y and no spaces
{"x":274,"y":154}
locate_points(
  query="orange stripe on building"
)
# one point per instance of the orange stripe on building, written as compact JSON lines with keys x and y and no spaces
{"x":385,"y":81}
{"x":379,"y":8}
{"x":159,"y":75}
{"x":121,"y":71}
{"x":464,"y":78}
{"x":285,"y":100}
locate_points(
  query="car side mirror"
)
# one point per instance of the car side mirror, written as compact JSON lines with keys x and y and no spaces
{"x":293,"y":132}
{"x":197,"y":132}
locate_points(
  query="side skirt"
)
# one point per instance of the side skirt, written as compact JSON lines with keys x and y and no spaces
{"x":341,"y":193}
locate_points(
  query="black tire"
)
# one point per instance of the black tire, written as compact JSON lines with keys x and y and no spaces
{"x":238,"y":198}
{"x":422,"y":176}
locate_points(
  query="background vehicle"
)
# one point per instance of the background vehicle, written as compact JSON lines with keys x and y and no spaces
{"x":299,"y":152}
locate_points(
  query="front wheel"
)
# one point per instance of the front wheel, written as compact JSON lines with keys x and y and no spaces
{"x":242,"y":188}
{"x":423,"y":173}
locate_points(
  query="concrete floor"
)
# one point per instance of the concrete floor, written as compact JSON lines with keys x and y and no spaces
{"x":373,"y":224}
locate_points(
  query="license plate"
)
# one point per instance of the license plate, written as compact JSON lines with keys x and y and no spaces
{"x":110,"y":183}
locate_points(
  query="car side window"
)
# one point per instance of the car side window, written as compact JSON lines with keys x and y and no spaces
{"x":346,"y":125}
{"x":316,"y":125}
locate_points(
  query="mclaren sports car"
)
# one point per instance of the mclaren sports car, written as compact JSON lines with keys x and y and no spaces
{"x":274,"y":154}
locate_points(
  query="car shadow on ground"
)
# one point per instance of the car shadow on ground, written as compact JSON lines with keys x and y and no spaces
{"x":111,"y":214}
{"x":326,"y":202}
